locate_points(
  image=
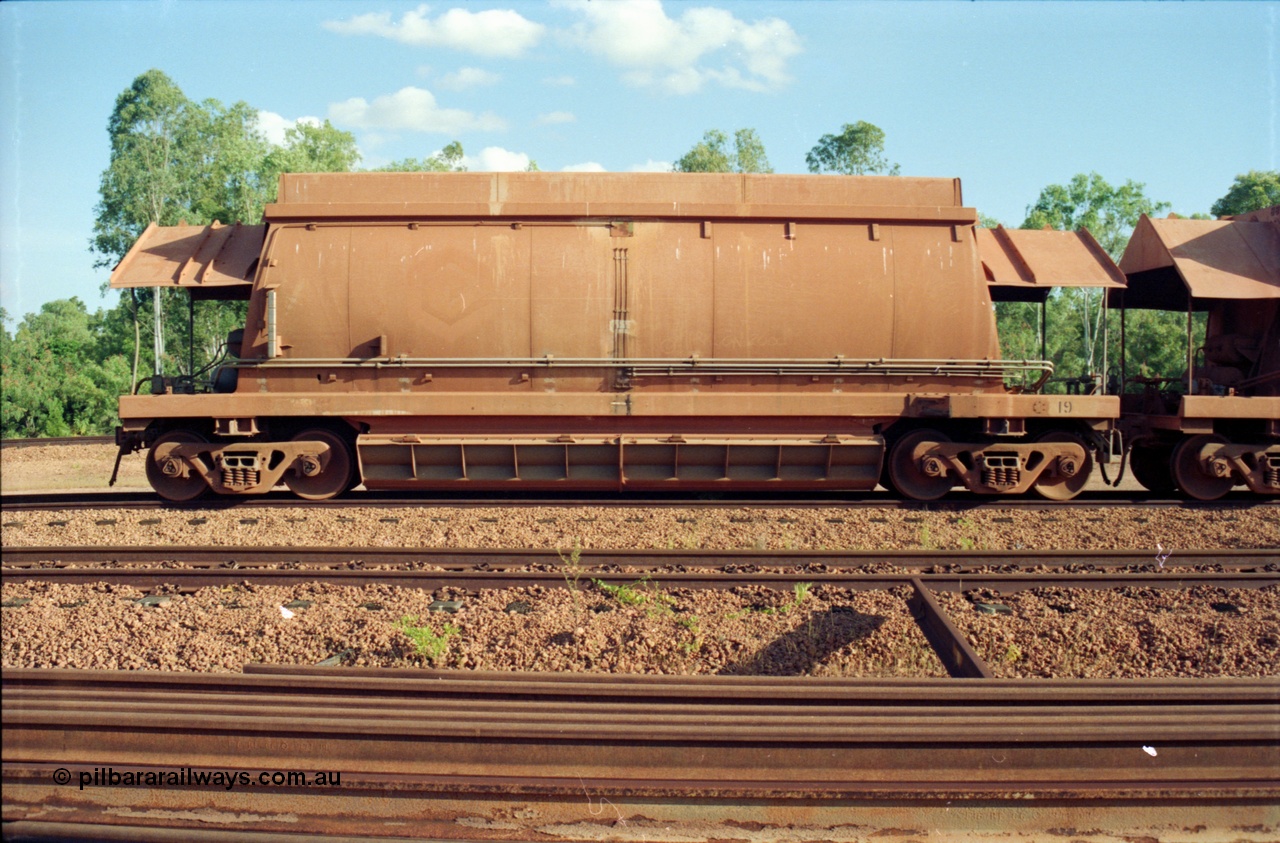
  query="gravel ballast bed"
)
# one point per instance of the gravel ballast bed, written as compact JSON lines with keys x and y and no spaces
{"x":758,"y":631}
{"x":746,"y":631}
{"x":553,"y":527}
{"x":1122,"y":633}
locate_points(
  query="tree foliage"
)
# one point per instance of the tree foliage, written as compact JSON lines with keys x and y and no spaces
{"x":1089,"y":201}
{"x":447,"y":160}
{"x":149,"y":174}
{"x":176,"y":160}
{"x":1250,"y":191}
{"x":858,"y":150}
{"x":56,"y":380}
{"x":1155,"y":342}
{"x":309,"y":148}
{"x":712,"y":155}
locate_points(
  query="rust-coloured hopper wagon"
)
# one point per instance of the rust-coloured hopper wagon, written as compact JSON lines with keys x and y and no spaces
{"x":610,"y":331}
{"x":1216,"y":424}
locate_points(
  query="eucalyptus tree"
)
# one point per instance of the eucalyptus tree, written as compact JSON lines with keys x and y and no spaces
{"x":1251,"y":191}
{"x":856,"y":151}
{"x":1109,"y":212}
{"x":712,"y":155}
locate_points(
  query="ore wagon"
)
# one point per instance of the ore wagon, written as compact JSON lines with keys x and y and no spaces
{"x":616,"y":331}
{"x":1216,"y":424}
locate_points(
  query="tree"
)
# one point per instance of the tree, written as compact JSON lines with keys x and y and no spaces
{"x":749,"y":154}
{"x":1089,"y":201}
{"x":144,"y":182}
{"x":1075,"y":314}
{"x":309,"y":149}
{"x":710,"y":154}
{"x":225,"y":165}
{"x":173,"y":160}
{"x":1251,"y":191}
{"x":447,"y":160}
{"x":857,"y":150}
{"x":56,"y":382}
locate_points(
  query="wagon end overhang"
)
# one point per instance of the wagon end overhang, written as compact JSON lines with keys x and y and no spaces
{"x":1024,"y":265}
{"x":210,"y":261}
{"x":1173,"y":264}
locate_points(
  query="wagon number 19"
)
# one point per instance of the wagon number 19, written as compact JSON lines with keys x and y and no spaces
{"x":1064,"y":407}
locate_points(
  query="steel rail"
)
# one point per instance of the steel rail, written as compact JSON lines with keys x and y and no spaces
{"x":957,"y":561}
{"x":456,"y":748}
{"x":313,"y":684}
{"x":186,"y":579}
{"x":957,"y":502}
{"x":730,"y":561}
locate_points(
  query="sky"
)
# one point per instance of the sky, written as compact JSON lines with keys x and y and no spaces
{"x":1009,"y":97}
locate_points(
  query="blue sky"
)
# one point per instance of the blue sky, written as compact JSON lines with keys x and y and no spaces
{"x":1008,"y":96}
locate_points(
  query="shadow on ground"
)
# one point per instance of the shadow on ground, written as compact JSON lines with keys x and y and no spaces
{"x":797,"y":652}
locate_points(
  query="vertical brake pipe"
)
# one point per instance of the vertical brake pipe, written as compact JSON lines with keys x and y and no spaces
{"x":191,"y":334}
{"x":1124,"y":360}
{"x":1106,"y":338}
{"x":1044,"y":326}
{"x":1191,"y":384}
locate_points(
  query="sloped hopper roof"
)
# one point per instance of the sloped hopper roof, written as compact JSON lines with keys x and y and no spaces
{"x":1168,"y":260}
{"x":211,"y":261}
{"x":1023,"y":265}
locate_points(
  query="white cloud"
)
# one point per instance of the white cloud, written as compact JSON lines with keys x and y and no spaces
{"x":493,"y":32}
{"x":468,"y":77}
{"x":495,"y":159}
{"x":273,"y":126}
{"x":585,"y":167}
{"x":414,"y":109}
{"x":681,"y":55}
{"x":560,"y":81}
{"x":651,"y":166}
{"x":556,"y":117}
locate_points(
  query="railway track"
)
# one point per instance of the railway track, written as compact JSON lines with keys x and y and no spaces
{"x":435,"y":755}
{"x":924,"y":575}
{"x":571,"y":757}
{"x":198,"y":567}
{"x":960,"y":501}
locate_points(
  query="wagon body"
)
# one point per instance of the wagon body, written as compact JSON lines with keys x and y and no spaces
{"x":611,"y":330}
{"x":1215,"y":425}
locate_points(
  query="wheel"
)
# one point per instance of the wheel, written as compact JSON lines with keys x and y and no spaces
{"x":335,"y":475}
{"x":1054,"y":486}
{"x":905,"y":473}
{"x":174,"y":487}
{"x":1150,"y":467}
{"x":1189,"y":472}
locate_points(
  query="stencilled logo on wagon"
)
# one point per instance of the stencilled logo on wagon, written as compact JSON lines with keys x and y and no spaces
{"x":449,"y":299}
